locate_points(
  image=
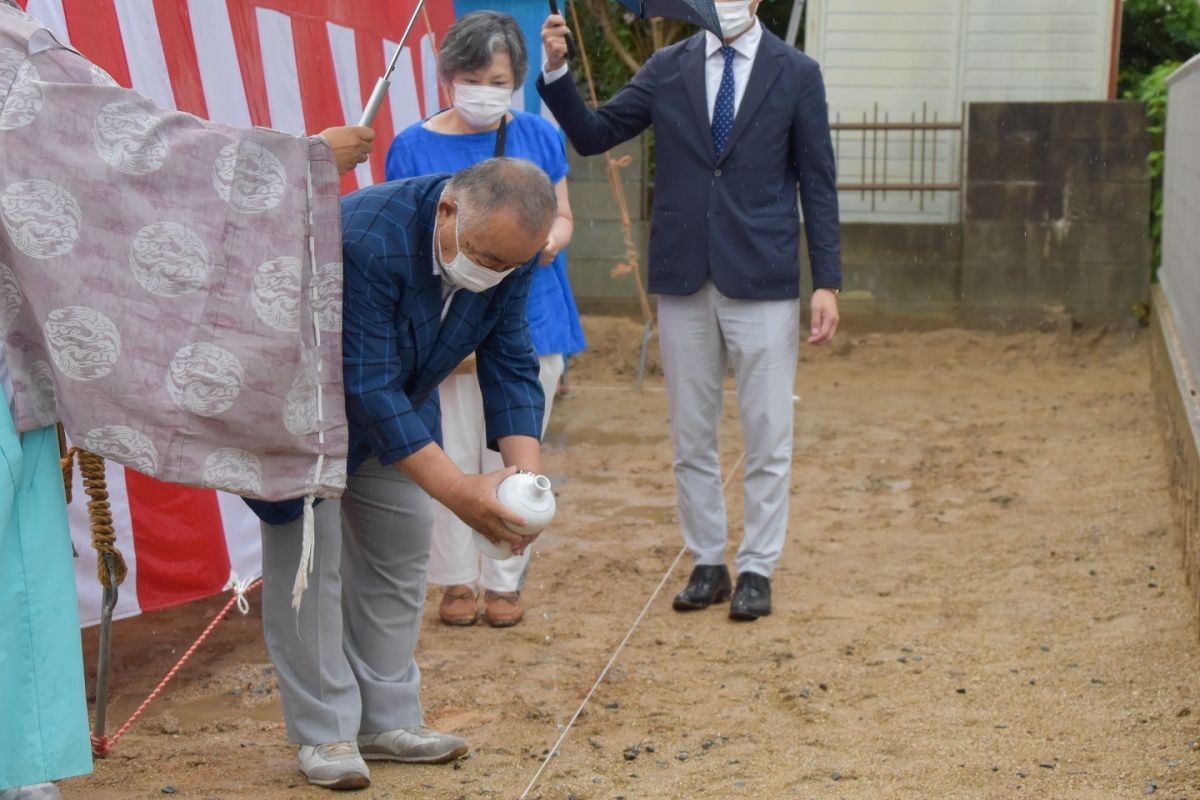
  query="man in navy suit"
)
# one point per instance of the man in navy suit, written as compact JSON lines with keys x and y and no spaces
{"x":435,"y":268}
{"x":740,"y":122}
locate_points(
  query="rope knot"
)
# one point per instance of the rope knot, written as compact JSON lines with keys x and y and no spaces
{"x":104,"y":535}
{"x":100,"y":746}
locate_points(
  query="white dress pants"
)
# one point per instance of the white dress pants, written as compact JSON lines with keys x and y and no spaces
{"x":699,"y":334}
{"x":454,"y":558}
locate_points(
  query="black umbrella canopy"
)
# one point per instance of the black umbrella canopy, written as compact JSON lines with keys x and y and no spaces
{"x":697,"y":12}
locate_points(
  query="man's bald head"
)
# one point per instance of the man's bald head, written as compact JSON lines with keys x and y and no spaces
{"x":514,"y":185}
{"x":499,"y":211}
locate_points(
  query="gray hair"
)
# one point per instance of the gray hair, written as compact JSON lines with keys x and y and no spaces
{"x":505,"y":183}
{"x":474,"y":40}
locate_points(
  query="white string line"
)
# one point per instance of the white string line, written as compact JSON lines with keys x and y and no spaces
{"x":623,"y":389}
{"x":620,"y":647}
{"x":612,"y":389}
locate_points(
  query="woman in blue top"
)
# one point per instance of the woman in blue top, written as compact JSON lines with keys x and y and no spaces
{"x":482,"y":61}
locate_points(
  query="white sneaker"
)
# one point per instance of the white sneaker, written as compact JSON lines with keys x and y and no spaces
{"x":334,"y":765}
{"x":418,"y":745}
{"x":41,"y":791}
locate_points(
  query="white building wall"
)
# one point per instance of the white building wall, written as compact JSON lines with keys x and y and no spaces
{"x":1180,"y":271}
{"x":903,"y":58}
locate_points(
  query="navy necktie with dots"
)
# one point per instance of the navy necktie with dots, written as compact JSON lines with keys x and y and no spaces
{"x":722,"y":119}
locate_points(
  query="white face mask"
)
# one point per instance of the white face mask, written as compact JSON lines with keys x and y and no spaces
{"x":481,"y":106}
{"x":735,"y":17}
{"x":465,"y":273}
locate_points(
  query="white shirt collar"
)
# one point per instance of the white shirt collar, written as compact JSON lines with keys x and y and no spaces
{"x":746,"y":44}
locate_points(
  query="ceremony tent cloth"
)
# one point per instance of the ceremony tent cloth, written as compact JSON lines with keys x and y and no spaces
{"x":297,"y":66}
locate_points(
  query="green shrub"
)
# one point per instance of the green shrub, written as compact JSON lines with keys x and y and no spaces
{"x":1156,"y":37}
{"x":1152,"y":91}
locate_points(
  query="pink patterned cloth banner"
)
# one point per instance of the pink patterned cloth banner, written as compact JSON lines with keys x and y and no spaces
{"x":170,"y":288}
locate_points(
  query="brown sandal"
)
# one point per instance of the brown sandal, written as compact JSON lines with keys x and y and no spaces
{"x":503,"y":609}
{"x":458,"y":606}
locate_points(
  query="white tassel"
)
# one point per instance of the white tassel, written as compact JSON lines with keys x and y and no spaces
{"x":307,"y":553}
{"x":308,"y":546}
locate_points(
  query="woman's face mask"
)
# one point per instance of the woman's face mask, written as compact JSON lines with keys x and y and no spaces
{"x":481,"y":106}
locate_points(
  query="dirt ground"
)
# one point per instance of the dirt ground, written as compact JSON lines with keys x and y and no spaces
{"x":982,"y":597}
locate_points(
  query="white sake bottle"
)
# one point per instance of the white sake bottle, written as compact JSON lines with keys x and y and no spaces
{"x":531,"y":497}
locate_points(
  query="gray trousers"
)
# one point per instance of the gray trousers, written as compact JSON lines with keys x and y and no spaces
{"x":700,"y":335}
{"x":346,"y":663}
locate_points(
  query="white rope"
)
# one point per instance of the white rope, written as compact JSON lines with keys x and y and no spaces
{"x":604,"y":672}
{"x":240,"y":586}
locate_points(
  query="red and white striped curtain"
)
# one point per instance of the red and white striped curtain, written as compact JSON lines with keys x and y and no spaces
{"x":294,"y":65}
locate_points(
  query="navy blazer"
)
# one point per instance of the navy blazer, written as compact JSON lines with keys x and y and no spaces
{"x":728,"y":216}
{"x":396,"y":348}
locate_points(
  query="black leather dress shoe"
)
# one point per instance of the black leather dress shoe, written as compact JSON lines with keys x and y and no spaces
{"x":752,"y":598}
{"x":708,"y":584}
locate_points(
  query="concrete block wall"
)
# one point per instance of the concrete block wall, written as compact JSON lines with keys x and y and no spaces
{"x":1177,"y":312}
{"x":598,"y":244}
{"x":902,"y":270}
{"x":1175,"y":391}
{"x":1057,"y":210}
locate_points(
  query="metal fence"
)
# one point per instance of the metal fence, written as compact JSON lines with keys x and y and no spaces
{"x":918,"y":157}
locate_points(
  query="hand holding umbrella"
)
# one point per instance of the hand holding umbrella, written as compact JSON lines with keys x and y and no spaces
{"x":352,"y":145}
{"x":560,"y":48}
{"x":567,"y":37}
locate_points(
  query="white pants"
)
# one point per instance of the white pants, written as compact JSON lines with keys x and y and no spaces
{"x":454,"y":558}
{"x":699,"y":334}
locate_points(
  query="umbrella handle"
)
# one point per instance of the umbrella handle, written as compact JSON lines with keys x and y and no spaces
{"x":376,"y":100}
{"x":570,"y":37}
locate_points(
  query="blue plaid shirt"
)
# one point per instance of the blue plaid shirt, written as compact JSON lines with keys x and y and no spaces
{"x":397,"y":348}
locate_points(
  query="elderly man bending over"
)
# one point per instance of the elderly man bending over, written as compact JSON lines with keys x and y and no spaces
{"x":435,"y":269}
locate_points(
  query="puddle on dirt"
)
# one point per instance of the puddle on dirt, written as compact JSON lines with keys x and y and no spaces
{"x":657,"y":515}
{"x":208,"y":710}
{"x":606,"y":438}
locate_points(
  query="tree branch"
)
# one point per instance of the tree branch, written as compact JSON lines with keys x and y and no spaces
{"x":642,"y":49}
{"x":672,"y":30}
{"x":600,"y":9}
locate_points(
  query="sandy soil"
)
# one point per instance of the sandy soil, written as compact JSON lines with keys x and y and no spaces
{"x":982,"y":598}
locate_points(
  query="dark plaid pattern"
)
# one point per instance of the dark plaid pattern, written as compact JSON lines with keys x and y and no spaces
{"x":396,"y":346}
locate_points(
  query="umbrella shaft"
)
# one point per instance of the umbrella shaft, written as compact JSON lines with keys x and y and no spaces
{"x":373,"y":104}
{"x":404,"y":38}
{"x":382,"y":85}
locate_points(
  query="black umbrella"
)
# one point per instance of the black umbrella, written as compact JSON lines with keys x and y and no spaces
{"x":697,"y":12}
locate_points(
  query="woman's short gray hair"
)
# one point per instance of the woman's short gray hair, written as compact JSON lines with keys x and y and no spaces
{"x":474,"y":40}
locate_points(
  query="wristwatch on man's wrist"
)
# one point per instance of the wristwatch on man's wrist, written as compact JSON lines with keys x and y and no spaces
{"x":836,"y":292}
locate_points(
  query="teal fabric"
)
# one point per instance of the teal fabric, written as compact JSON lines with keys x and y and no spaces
{"x":43,"y":707}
